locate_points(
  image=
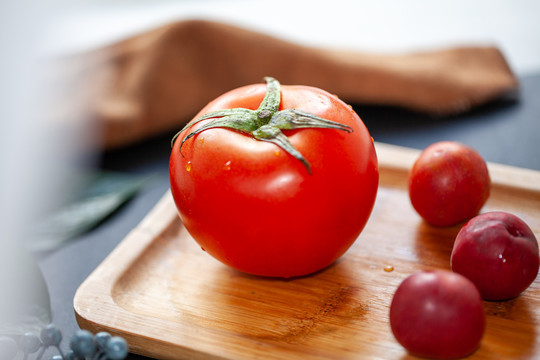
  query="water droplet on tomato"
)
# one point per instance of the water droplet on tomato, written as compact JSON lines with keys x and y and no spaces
{"x":188,"y":166}
{"x":201,"y":140}
{"x":227,"y":165}
{"x":388,"y":268}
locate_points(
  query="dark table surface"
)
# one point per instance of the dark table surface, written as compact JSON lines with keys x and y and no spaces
{"x":506,"y":132}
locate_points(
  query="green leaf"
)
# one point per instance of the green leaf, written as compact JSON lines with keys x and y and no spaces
{"x":101,"y":195}
{"x":24,"y":303}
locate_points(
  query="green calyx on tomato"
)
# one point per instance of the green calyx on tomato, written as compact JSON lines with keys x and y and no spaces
{"x":266,"y":122}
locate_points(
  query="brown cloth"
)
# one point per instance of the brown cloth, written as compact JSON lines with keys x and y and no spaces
{"x":155,"y":82}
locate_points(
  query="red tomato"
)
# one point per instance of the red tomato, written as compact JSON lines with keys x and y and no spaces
{"x":498,"y":252}
{"x":255,"y":207}
{"x":449,"y":183}
{"x":438,"y":315}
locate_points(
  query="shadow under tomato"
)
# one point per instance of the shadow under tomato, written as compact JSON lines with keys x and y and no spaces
{"x":291,"y":311}
{"x":433,"y":245}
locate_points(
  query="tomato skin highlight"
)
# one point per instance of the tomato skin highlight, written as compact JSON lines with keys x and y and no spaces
{"x":254,"y":207}
{"x":437,"y":315}
{"x":449,"y":183}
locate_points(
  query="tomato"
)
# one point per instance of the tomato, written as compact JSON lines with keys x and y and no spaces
{"x":285,"y":207}
{"x":498,"y":252}
{"x":438,"y":315}
{"x":449,"y":183}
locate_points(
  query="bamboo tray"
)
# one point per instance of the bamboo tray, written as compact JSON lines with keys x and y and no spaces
{"x":171,"y":300}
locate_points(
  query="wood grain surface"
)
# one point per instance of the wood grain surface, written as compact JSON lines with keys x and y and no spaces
{"x":171,"y":300}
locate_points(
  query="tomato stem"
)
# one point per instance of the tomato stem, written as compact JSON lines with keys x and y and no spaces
{"x":265,"y":123}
